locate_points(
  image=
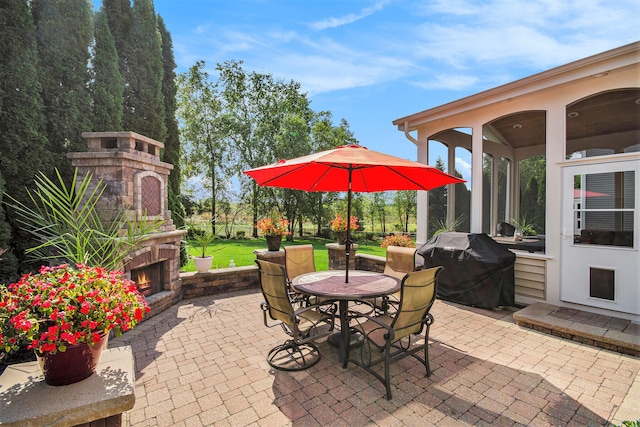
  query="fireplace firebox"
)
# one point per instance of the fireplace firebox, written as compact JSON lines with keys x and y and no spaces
{"x":148,"y":279}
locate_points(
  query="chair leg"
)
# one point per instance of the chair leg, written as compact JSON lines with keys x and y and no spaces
{"x":387,"y":379}
{"x":293,"y":357}
{"x":426,"y":351}
{"x":426,"y":359}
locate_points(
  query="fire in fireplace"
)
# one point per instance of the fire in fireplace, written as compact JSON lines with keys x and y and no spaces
{"x":148,"y":279}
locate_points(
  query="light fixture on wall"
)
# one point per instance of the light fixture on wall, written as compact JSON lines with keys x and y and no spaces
{"x":602,"y":74}
{"x":573,"y":114}
{"x":638,"y":101}
{"x":517,"y":126}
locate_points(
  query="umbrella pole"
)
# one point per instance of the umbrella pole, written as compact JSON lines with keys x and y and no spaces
{"x":348,"y":243}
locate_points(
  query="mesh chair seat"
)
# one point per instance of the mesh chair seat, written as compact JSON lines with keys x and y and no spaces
{"x":406,"y":333}
{"x":399,"y":262}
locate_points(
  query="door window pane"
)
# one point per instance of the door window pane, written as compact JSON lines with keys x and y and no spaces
{"x":604,"y":208}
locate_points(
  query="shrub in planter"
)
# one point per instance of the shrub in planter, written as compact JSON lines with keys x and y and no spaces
{"x":398,"y":240}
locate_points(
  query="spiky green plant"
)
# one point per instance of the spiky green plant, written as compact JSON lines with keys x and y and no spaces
{"x":204,"y":240}
{"x":69,"y":227}
{"x":525,"y":226}
{"x":443,"y":226}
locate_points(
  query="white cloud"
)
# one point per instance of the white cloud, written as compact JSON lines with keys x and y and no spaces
{"x":447,"y":81}
{"x":202,"y":29}
{"x":464,"y":168}
{"x":540,"y":34}
{"x":457,"y":45}
{"x":347,"y":19}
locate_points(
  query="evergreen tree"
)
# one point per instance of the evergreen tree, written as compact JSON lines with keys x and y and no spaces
{"x":463,"y":205}
{"x":22,"y":139}
{"x":120,"y":20}
{"x":437,"y":203}
{"x":145,"y":112}
{"x":172,"y":149}
{"x":107,"y":84}
{"x":64,"y":30}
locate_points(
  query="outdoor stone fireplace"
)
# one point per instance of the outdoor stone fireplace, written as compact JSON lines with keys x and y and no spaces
{"x":136,"y":180}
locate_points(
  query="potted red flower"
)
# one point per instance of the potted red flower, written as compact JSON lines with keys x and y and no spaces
{"x":67,"y":311}
{"x":339,"y":225}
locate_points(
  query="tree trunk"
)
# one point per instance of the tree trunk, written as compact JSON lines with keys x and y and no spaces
{"x":213,"y":197}
{"x":254,"y":202}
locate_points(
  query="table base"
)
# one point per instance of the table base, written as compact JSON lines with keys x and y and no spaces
{"x":356,"y":339}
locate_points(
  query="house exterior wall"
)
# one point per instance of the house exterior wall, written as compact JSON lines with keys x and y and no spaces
{"x":551,"y":92}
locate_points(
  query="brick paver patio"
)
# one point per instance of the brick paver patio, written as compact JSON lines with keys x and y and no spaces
{"x":202,"y":363}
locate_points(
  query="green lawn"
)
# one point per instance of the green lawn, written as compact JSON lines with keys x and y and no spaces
{"x":241,"y":251}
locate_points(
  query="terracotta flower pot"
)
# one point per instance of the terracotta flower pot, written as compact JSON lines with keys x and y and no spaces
{"x":77,"y":363}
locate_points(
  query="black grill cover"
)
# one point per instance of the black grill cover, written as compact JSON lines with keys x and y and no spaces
{"x":478,"y":271}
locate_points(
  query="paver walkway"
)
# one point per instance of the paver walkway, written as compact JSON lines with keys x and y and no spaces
{"x":202,"y":363}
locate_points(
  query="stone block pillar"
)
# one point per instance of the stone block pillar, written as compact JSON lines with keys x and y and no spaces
{"x":338,"y":257}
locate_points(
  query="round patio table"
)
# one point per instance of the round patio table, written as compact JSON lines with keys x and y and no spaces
{"x":330,"y":284}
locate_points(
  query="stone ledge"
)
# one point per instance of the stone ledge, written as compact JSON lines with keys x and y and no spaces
{"x":26,"y":400}
{"x":538,"y":316}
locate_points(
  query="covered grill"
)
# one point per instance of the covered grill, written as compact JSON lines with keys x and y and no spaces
{"x":477,"y":270}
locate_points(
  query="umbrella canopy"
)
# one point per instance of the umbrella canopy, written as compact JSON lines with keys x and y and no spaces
{"x":350,"y":168}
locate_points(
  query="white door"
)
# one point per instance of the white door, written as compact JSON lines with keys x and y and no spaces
{"x":600,"y":245}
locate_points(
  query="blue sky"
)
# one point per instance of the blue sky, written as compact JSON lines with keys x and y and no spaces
{"x":371,"y":62}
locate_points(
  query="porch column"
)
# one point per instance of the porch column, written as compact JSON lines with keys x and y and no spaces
{"x":555,"y":154}
{"x":476,"y":178}
{"x":494,"y":195}
{"x":451,"y":189}
{"x":422,"y":212}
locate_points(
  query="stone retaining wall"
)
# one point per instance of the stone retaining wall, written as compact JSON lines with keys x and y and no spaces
{"x":232,"y":279}
{"x":219,"y":280}
{"x":370,"y":263}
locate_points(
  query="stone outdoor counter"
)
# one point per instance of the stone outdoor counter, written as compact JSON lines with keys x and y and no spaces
{"x":26,"y":400}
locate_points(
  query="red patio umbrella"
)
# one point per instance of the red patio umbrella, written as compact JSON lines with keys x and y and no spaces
{"x":350,"y":168}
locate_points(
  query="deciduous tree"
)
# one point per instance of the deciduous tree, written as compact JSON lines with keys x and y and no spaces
{"x":205,"y":149}
{"x":254,"y":106}
{"x":405,"y":203}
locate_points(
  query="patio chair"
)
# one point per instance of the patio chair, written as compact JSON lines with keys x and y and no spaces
{"x":301,"y":325}
{"x":387,"y":339}
{"x":400,"y":261}
{"x":298,"y":260}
